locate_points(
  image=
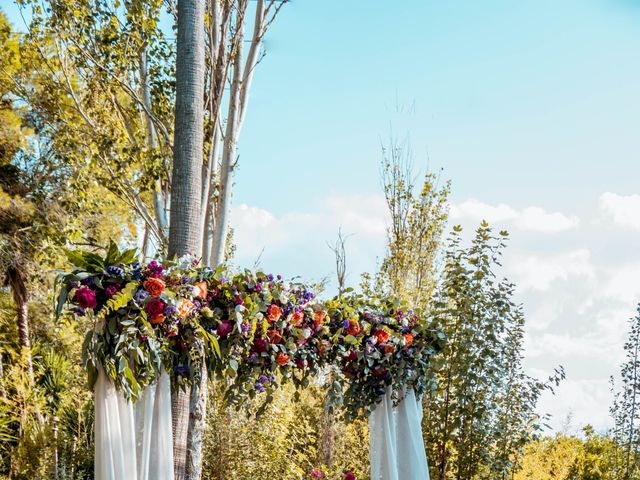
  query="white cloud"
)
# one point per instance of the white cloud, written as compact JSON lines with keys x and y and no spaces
{"x":532,"y":219}
{"x":298,"y":240}
{"x":475,"y":210}
{"x":538,"y":272}
{"x":536,"y":219}
{"x":623,"y":209}
{"x":621,"y":283}
{"x":584,"y":401}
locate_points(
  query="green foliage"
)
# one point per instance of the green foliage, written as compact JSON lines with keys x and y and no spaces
{"x":568,"y":457}
{"x":283,"y":443}
{"x":482,"y":413}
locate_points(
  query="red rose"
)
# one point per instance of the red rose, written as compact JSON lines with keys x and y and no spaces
{"x":382,"y":336}
{"x":349,"y":476}
{"x":85,"y":297}
{"x":354,"y":328}
{"x":154,"y":307}
{"x":260,"y":345}
{"x":282,"y":359}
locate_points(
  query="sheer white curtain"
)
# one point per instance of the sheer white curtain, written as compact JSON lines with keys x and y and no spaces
{"x":133,"y":442}
{"x":396,"y":445}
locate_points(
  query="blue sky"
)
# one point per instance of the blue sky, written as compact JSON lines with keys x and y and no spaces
{"x":531,"y":108}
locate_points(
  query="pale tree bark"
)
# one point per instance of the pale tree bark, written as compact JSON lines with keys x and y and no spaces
{"x":184,"y":227}
{"x":243,"y":71}
{"x":159,"y":200}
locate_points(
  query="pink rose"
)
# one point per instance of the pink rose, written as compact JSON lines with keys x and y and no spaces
{"x":85,"y":297}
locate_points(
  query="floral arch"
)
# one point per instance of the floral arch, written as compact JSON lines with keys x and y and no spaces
{"x":155,"y":325}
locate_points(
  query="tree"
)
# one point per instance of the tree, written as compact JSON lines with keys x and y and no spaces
{"x":482,"y":411}
{"x":417,"y":222}
{"x":626,"y":407}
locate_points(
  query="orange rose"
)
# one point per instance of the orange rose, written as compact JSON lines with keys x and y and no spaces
{"x":154,"y":286}
{"x":185,"y":307}
{"x":296,"y":319}
{"x":318,"y":317}
{"x":156,"y":319}
{"x":274,"y":336}
{"x":382,"y":336}
{"x":282,"y":359}
{"x":388,"y":348}
{"x":409,"y":339}
{"x":274,"y":313}
{"x":200,"y":289}
{"x":354,"y":328}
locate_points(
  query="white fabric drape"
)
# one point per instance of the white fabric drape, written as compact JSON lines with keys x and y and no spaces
{"x":133,"y":442}
{"x":396,"y":445}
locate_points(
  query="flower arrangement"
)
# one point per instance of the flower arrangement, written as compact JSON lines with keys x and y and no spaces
{"x":251,"y":330}
{"x":378,"y":343}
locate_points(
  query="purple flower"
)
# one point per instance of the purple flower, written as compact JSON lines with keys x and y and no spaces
{"x":263,"y":379}
{"x":369,"y":348}
{"x":345,"y":324}
{"x":181,"y":369}
{"x":270,"y":278}
{"x":279,"y":277}
{"x":115,"y":271}
{"x":140,"y":296}
{"x":155,"y":269}
{"x":259,"y":387}
{"x":78,"y":311}
{"x":111,"y":290}
{"x":244,"y":327}
{"x":186,"y":279}
{"x":169,"y":310}
{"x":197,"y":304}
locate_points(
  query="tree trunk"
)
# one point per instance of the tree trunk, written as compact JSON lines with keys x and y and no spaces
{"x":180,"y":428}
{"x":197,"y":423}
{"x":184,"y":227}
{"x":17,"y":281}
{"x":228,"y":152}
